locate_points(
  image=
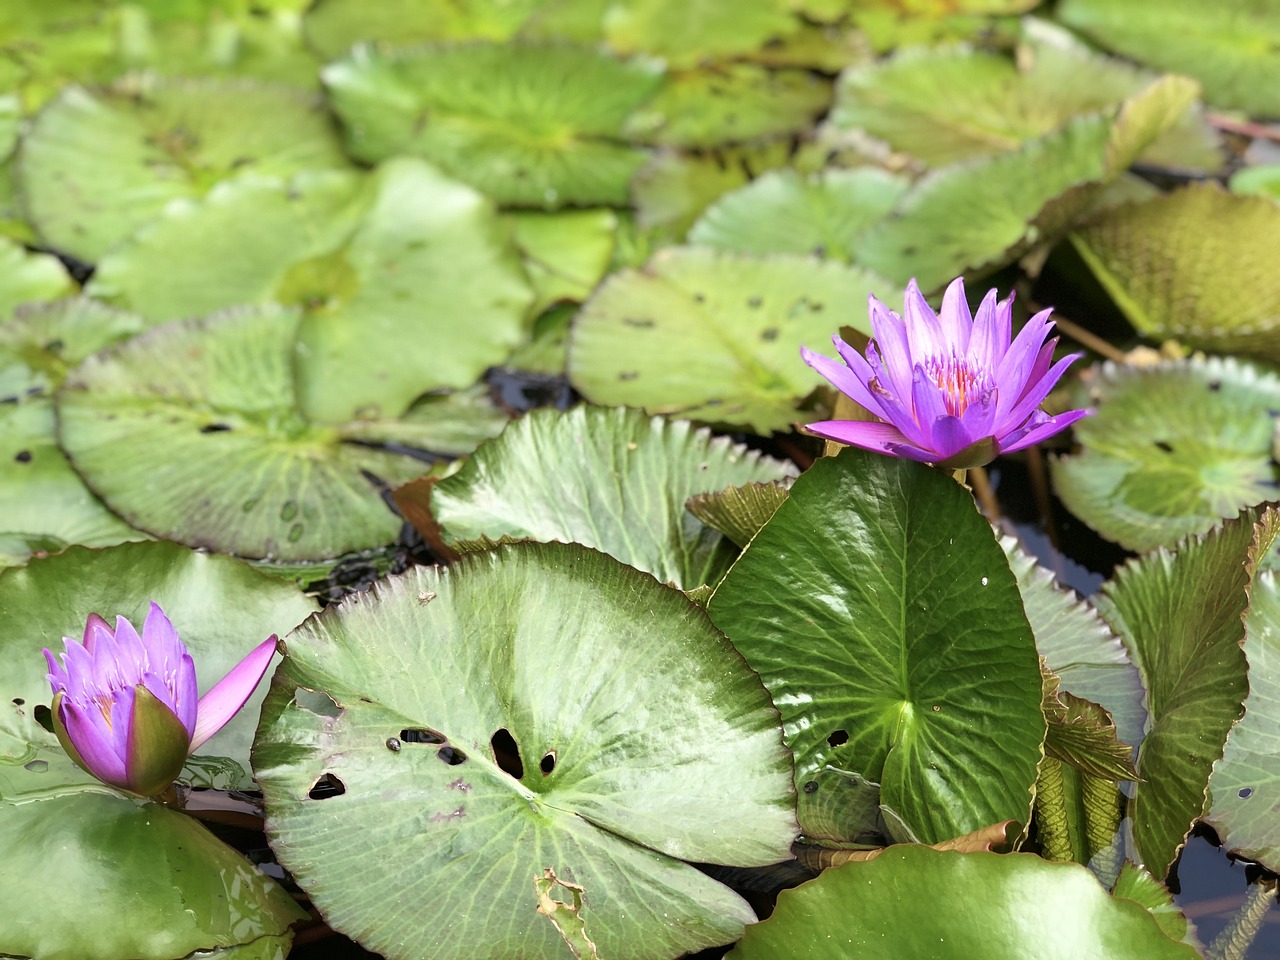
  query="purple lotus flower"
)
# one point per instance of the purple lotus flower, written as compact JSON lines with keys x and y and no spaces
{"x":125,"y":706}
{"x":947,"y":388}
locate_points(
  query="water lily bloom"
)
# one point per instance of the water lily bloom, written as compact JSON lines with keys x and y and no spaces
{"x":125,"y":706}
{"x":947,"y":388}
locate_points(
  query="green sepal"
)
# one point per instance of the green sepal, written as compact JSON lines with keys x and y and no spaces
{"x":158,"y":744}
{"x":977,"y":454}
{"x":60,"y":731}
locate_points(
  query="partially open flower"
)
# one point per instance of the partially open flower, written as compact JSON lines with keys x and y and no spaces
{"x":125,"y":706}
{"x":947,"y":388}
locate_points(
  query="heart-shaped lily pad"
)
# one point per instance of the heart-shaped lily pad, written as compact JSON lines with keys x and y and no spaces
{"x":885,"y":621}
{"x":713,"y":336}
{"x":625,"y":493}
{"x":1172,"y":450}
{"x":431,"y":749}
{"x":192,"y":431}
{"x":535,"y":126}
{"x":96,"y":166}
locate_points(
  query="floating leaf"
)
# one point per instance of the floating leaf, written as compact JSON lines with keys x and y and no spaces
{"x":192,"y":431}
{"x":785,"y":212}
{"x":1180,"y":617}
{"x":25,"y":277}
{"x":625,"y":493}
{"x":738,"y":512}
{"x":712,"y":336}
{"x":1258,"y":180}
{"x":565,"y":253}
{"x":547,"y":734}
{"x":882,"y":615}
{"x":1245,"y":786}
{"x":333,"y":26}
{"x":1134,"y":883}
{"x":1231,"y":48}
{"x":95,"y":167}
{"x":730,"y":103}
{"x":1172,"y":450}
{"x":891,"y":24}
{"x":1015,"y":907}
{"x":688,"y":32}
{"x":43,"y":341}
{"x":51,"y":597}
{"x":535,"y":126}
{"x":1192,"y":265}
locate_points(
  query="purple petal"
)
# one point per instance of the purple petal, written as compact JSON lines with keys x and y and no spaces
{"x":93,"y":628}
{"x":930,"y":406}
{"x":842,"y":378}
{"x":1045,"y":429}
{"x":979,"y":418}
{"x":870,"y":435}
{"x":893,"y":348}
{"x":96,"y":742}
{"x":79,"y":664}
{"x":990,"y":338}
{"x":230,"y":693}
{"x":1034,"y":396}
{"x":923,"y":329}
{"x":57,"y":675}
{"x":950,"y":436}
{"x":1016,"y":365}
{"x":956,"y":321}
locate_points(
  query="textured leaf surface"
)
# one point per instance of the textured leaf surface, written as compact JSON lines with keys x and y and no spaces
{"x":1172,"y":450}
{"x":1180,"y":617}
{"x":712,"y":336}
{"x":623,"y":489}
{"x":686,"y":32}
{"x":882,"y":615}
{"x":1015,"y":907}
{"x":620,"y":771}
{"x":1134,"y":883}
{"x":1193,"y":266}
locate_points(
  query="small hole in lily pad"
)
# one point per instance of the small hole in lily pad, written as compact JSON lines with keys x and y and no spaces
{"x":811,"y":786}
{"x":422,"y":735}
{"x":1161,"y":445}
{"x":326,"y":788}
{"x":837,"y":738}
{"x":215,"y":427}
{"x":1215,"y":386}
{"x":451,"y":756}
{"x":36,"y":766}
{"x":43,"y":717}
{"x":1245,"y":793}
{"x":317,"y":702}
{"x":506,"y":754}
{"x":23,"y":456}
{"x":548,"y":763}
{"x":18,"y":702}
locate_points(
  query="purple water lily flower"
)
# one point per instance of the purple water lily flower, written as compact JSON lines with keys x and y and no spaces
{"x":125,"y":706}
{"x":947,"y":388}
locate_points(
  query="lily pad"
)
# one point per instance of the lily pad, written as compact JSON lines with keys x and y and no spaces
{"x":625,"y":493}
{"x":164,"y":887}
{"x":1015,"y":907}
{"x":1245,"y":786}
{"x":712,"y":336}
{"x":192,"y":431}
{"x":547,"y":734}
{"x":1180,"y":617}
{"x":1192,"y":265}
{"x":51,"y":597}
{"x":1172,"y":450}
{"x":976,"y":216}
{"x":565,"y":253}
{"x":25,"y":277}
{"x":1233,"y":48}
{"x":1135,"y":883}
{"x":784,"y":212}
{"x":95,"y":167}
{"x":730,"y":103}
{"x":883,"y":617}
{"x":688,"y":32}
{"x":332,"y":27}
{"x":536,"y":126}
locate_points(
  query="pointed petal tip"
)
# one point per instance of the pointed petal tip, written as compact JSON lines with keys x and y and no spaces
{"x":225,"y":698}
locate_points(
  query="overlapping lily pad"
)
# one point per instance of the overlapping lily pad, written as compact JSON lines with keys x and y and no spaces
{"x":536,"y":126}
{"x":1172,"y":450}
{"x":1180,"y":617}
{"x":565,"y":253}
{"x":332,"y":27}
{"x":546,"y":735}
{"x":713,"y":336}
{"x":25,"y":277}
{"x":1014,"y":906}
{"x":96,"y":166}
{"x":883,"y":617}
{"x":687,"y":32}
{"x":1173,"y":264}
{"x":193,"y":432}
{"x":622,"y":489}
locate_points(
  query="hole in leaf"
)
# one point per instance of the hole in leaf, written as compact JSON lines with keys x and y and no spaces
{"x":317,"y":702}
{"x":506,"y":754}
{"x":36,"y":766}
{"x":548,"y":763}
{"x":215,"y":427}
{"x":811,"y":786}
{"x":451,"y":756}
{"x":23,"y":456}
{"x":1161,"y":445}
{"x":326,"y":788}
{"x":1245,"y":793}
{"x":1215,"y":386}
{"x":837,"y":738}
{"x":18,"y":701}
{"x":422,"y":735}
{"x":43,"y":717}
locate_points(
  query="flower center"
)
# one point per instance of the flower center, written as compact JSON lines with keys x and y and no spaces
{"x":960,"y":384}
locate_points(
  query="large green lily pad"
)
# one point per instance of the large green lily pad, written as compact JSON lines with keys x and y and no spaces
{"x":222,"y":608}
{"x":1192,"y":265}
{"x":714,"y":336}
{"x":193,"y":431}
{"x":1012,"y":907}
{"x":96,"y":166}
{"x":1245,"y":786}
{"x":621,"y":486}
{"x":512,"y":716}
{"x":1172,"y":449}
{"x":1231,"y":48}
{"x":1180,"y":617}
{"x":535,"y":126}
{"x":881,"y":613}
{"x":688,"y":32}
